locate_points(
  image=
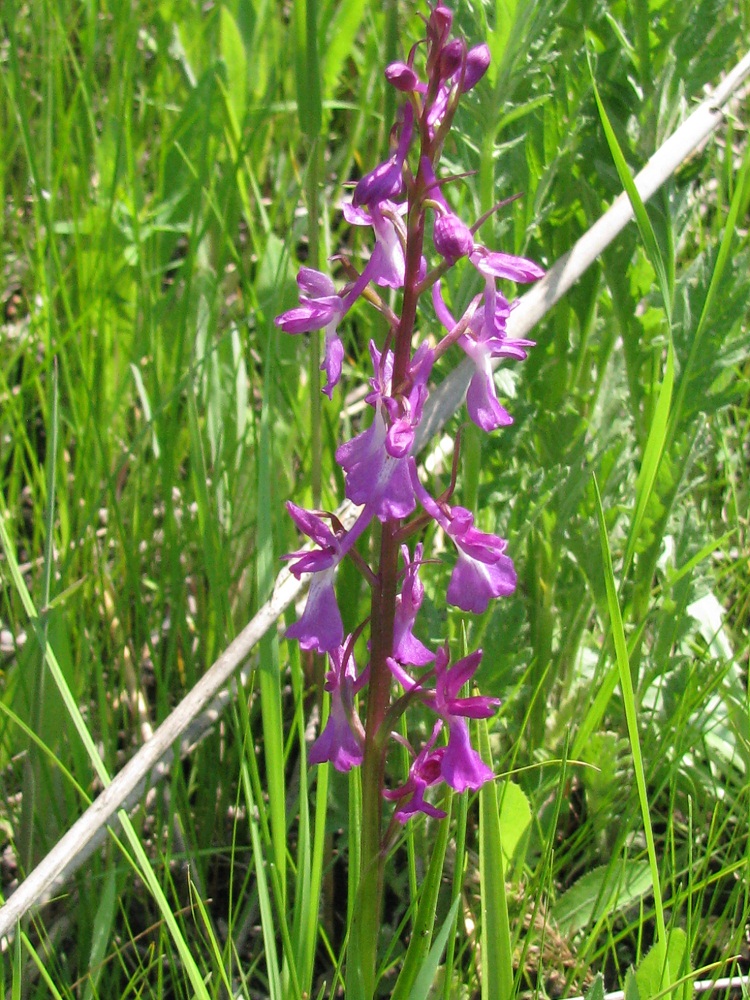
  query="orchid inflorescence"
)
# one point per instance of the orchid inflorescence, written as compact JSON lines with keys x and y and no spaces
{"x":381,"y":475}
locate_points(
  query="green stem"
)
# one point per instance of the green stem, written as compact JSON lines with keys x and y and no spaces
{"x":313,"y":216}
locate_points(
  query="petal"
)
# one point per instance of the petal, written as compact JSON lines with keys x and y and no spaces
{"x":320,"y":626}
{"x":473,"y":584}
{"x":505,"y":265}
{"x":337,"y":743}
{"x":461,"y":673}
{"x":462,"y":766}
{"x":452,"y":237}
{"x":477,"y":62}
{"x":314,"y":284}
{"x":401,"y":76}
{"x":332,"y":362}
{"x":482,"y":403}
{"x":311,"y":525}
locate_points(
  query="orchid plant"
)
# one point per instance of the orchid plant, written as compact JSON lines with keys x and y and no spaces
{"x":401,"y":200}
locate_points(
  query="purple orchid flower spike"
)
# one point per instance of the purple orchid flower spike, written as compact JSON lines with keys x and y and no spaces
{"x":482,"y":571}
{"x":425,"y":771}
{"x":462,"y":767}
{"x":406,"y":647}
{"x":343,"y":738}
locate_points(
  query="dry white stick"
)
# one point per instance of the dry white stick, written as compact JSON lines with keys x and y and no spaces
{"x":74,"y":846}
{"x":700,"y":986}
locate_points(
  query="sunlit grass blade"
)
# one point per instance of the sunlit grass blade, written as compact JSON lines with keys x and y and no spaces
{"x":417,"y":960}
{"x":643,"y":222}
{"x":628,"y":695}
{"x":426,"y":978}
{"x":144,"y":864}
{"x":497,"y":948}
{"x":739,"y":202}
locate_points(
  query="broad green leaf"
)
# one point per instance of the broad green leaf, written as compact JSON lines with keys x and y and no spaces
{"x":600,"y":892}
{"x":596,"y":990}
{"x":631,"y":986}
{"x":235,"y":59}
{"x":515,"y":817}
{"x":497,"y":948}
{"x":650,"y":975}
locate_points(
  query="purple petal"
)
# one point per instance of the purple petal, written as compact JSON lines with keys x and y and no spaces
{"x":402,"y":77}
{"x":332,"y":363}
{"x":311,"y":524}
{"x":482,"y":402}
{"x":461,"y":673}
{"x":462,"y":766}
{"x":303,"y":319}
{"x":452,"y":237}
{"x":505,"y":265}
{"x":314,"y":284}
{"x":320,"y":626}
{"x":337,"y":743}
{"x":473,"y":584}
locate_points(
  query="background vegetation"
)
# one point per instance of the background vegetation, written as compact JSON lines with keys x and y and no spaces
{"x":153,"y":422}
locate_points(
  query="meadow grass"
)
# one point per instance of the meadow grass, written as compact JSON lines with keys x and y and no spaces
{"x":165,"y":168}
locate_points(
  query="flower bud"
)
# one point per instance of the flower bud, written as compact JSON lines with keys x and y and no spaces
{"x":402,"y":77}
{"x":451,"y":58}
{"x":477,"y":61}
{"x":452,"y":237}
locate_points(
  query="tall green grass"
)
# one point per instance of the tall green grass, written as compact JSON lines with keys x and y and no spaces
{"x":165,"y":168}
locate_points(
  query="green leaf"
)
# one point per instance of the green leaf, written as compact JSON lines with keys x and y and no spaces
{"x":596,"y":990}
{"x":426,"y":977}
{"x":413,"y":969}
{"x":660,"y":962}
{"x":631,"y":986}
{"x":235,"y":59}
{"x":601,"y":892}
{"x":102,"y":931}
{"x":641,"y":215}
{"x":497,"y":947}
{"x":515,"y":817}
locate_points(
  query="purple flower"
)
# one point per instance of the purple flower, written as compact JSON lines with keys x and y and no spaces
{"x":485,"y":341}
{"x":495,"y":264}
{"x":386,"y":180}
{"x":320,"y":626}
{"x":375,"y":461}
{"x":482,"y":570}
{"x":477,"y":64}
{"x":387,"y":265}
{"x":426,"y":770}
{"x":462,"y":767}
{"x":402,"y":77}
{"x":406,"y":647}
{"x":342,"y":740}
{"x":322,"y":309}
